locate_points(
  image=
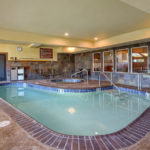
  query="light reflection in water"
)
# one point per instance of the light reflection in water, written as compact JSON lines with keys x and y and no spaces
{"x":71,"y":110}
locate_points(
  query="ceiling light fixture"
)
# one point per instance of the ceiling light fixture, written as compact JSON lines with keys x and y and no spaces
{"x":96,"y":38}
{"x":66,"y":34}
{"x":71,"y":49}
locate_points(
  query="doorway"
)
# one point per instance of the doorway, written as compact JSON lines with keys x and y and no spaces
{"x":2,"y":67}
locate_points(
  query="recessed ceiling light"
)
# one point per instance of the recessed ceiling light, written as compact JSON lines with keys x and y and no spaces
{"x":96,"y":38}
{"x":71,"y":48}
{"x":66,"y":34}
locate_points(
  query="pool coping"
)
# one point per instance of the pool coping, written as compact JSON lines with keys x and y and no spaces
{"x":125,"y":137}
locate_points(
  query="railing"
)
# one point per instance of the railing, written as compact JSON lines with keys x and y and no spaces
{"x":112,"y":83}
{"x":134,"y":78}
{"x":137,"y":80}
{"x":83,"y":70}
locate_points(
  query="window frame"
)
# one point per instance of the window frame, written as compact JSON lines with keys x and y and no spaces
{"x":117,"y":63}
{"x":112,"y":61}
{"x":100,"y":62}
{"x":147,"y":58}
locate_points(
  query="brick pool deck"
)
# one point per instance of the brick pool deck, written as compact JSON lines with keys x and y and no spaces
{"x":121,"y":139}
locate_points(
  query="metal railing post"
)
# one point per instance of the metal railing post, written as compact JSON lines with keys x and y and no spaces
{"x":87,"y":78}
{"x":111,"y":78}
{"x":99,"y":80}
{"x":138,"y":81}
{"x":111,"y":82}
{"x":87,"y":75}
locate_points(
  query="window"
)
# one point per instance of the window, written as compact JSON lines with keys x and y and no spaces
{"x":108,"y":61}
{"x":122,"y":60}
{"x":140,"y":59}
{"x":97,"y":62}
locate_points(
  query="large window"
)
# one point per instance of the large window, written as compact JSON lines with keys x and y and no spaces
{"x":97,"y":62}
{"x":122,"y":60}
{"x":108,"y":61}
{"x":140,"y":59}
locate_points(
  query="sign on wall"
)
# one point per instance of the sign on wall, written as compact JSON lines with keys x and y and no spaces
{"x":46,"y":53}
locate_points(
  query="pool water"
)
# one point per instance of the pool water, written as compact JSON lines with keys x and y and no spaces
{"x":76,"y":113}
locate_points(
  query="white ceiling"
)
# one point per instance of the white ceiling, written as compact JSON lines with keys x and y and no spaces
{"x":83,"y":19}
{"x":143,"y":5}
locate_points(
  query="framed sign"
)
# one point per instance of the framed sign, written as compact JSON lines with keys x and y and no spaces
{"x":46,"y":53}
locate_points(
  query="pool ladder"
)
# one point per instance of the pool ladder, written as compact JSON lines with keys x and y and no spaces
{"x":112,"y":83}
{"x":83,"y":70}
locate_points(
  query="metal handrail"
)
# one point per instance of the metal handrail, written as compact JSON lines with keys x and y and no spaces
{"x":112,"y":83}
{"x":83,"y":70}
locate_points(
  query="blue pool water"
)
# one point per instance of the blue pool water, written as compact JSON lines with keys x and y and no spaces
{"x":76,"y":113}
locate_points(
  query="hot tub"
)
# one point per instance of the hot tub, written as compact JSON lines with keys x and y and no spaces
{"x":67,"y":80}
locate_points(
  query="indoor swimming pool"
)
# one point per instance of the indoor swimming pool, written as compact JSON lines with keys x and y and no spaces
{"x":90,"y":113}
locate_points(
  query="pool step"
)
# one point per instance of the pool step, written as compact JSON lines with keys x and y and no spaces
{"x":119,"y":96}
{"x":113,"y":91}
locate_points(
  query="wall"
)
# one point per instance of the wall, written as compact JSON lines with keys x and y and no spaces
{"x":84,"y":60}
{"x":64,"y":67}
{"x":28,"y":53}
{"x":36,"y":68}
{"x":64,"y":64}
